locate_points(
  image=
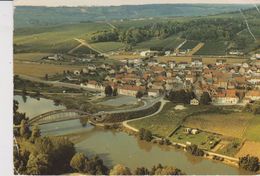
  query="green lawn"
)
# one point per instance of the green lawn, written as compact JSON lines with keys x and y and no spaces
{"x":253,"y":130}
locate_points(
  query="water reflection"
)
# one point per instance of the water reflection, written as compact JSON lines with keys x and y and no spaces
{"x":118,"y":147}
{"x":33,"y":107}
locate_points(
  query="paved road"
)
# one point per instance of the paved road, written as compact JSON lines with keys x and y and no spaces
{"x":56,"y":83}
{"x":163,"y":102}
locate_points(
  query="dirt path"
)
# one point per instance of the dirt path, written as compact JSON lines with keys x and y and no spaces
{"x":84,"y":43}
{"x":163,"y":102}
{"x":196,"y":48}
{"x":74,"y":49}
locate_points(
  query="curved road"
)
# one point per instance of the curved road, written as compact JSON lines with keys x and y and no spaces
{"x":163,"y":102}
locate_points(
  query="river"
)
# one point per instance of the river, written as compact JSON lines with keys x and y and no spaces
{"x":118,"y":147}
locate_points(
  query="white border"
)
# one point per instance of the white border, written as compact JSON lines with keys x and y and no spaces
{"x":6,"y":87}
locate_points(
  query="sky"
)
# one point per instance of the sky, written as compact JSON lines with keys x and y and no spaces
{"x":123,"y":2}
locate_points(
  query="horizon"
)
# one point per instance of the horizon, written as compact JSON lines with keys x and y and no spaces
{"x":97,"y":3}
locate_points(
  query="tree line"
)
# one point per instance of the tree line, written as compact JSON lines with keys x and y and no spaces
{"x":199,"y":29}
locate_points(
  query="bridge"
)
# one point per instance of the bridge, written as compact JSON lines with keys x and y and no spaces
{"x":60,"y":115}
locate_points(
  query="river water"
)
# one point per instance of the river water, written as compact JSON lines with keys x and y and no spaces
{"x":118,"y":147}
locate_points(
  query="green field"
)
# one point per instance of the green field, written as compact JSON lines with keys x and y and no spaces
{"x":215,"y":123}
{"x":189,"y":45}
{"x":203,"y":139}
{"x":166,"y":121}
{"x":253,"y":130}
{"x":108,"y":46}
{"x":213,"y":48}
{"x":55,"y":39}
{"x":168,"y":43}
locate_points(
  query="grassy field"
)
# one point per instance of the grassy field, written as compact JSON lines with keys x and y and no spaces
{"x":39,"y":70}
{"x":55,"y":39}
{"x":216,"y":123}
{"x":166,"y":121}
{"x":168,"y":43}
{"x":30,"y":56}
{"x":213,"y":48}
{"x":253,"y":130}
{"x":108,"y":46}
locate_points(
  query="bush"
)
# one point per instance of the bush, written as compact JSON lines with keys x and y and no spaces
{"x":194,"y":150}
{"x":145,"y":135}
{"x":250,"y":163}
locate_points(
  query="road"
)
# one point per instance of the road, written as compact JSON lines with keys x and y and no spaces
{"x":163,"y":102}
{"x":56,"y":83}
{"x":148,"y":102}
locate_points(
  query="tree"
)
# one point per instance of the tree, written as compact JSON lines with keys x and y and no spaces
{"x":108,"y":90}
{"x":141,"y":171}
{"x":250,"y":163}
{"x":44,"y":145}
{"x":139,"y":94}
{"x":180,"y":96}
{"x":168,"y":170}
{"x":78,"y":162}
{"x":46,"y":76}
{"x":120,"y":170}
{"x":38,"y":165}
{"x":145,"y":135}
{"x":24,"y":129}
{"x":115,"y":92}
{"x":35,"y":132}
{"x":205,"y":98}
{"x":194,"y":150}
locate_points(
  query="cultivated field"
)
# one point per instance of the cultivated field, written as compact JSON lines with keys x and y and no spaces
{"x":168,"y":43}
{"x":213,"y":48}
{"x":205,"y":60}
{"x":253,"y":130}
{"x":166,"y":121}
{"x":251,"y":148}
{"x":30,"y":56}
{"x":39,"y":70}
{"x":231,"y":124}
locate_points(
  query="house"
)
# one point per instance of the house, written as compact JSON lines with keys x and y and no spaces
{"x":148,"y":53}
{"x":253,"y":95}
{"x":76,"y":72}
{"x":226,"y":97}
{"x":194,"y":101}
{"x":196,"y":62}
{"x":153,"y":93}
{"x":130,"y":90}
{"x":220,"y":61}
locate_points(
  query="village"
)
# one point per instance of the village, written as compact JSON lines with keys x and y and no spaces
{"x":227,"y":83}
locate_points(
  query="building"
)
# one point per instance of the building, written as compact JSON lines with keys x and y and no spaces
{"x":226,"y":97}
{"x":253,"y":95}
{"x":130,"y":90}
{"x":194,"y":101}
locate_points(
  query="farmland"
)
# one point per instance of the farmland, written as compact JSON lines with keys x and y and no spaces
{"x":189,"y":45}
{"x":166,"y":121}
{"x":168,"y":43}
{"x":213,"y":48}
{"x":39,"y":70}
{"x":215,"y":123}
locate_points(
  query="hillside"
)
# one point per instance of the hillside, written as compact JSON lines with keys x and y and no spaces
{"x":46,"y":16}
{"x":217,"y":34}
